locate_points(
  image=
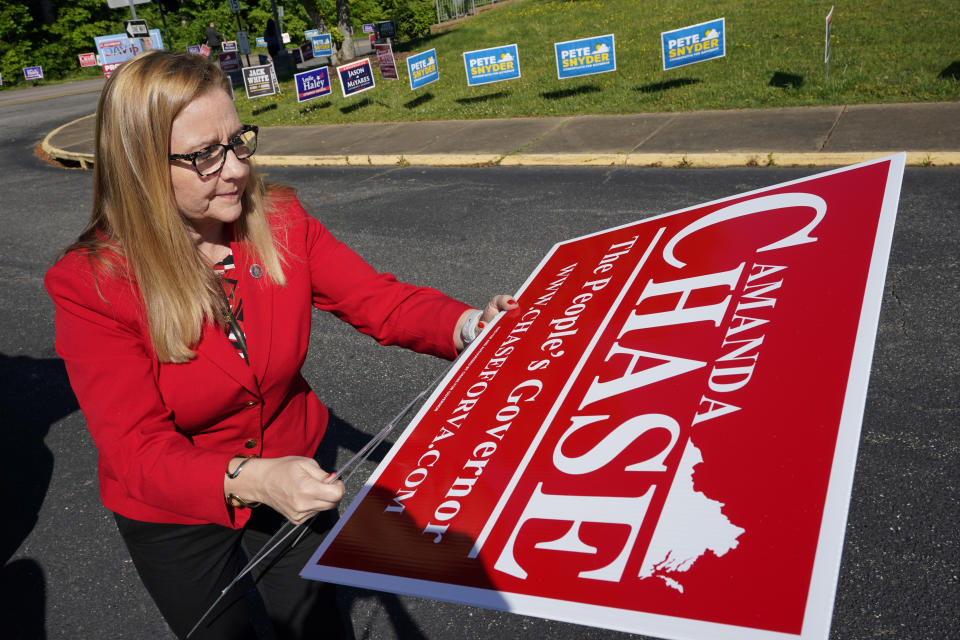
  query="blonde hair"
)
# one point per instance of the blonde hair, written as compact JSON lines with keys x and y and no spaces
{"x":134,"y":210}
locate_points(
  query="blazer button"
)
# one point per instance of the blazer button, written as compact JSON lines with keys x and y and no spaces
{"x":250,"y":444}
{"x":252,"y":403}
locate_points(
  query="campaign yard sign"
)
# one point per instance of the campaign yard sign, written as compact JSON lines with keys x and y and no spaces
{"x":662,"y":438}
{"x":193,"y":48}
{"x":312,"y":84}
{"x":585,"y":57}
{"x":228,"y":46}
{"x":422,"y":69}
{"x":33,"y":73}
{"x":696,"y":43}
{"x":356,"y":77}
{"x":259,"y":81}
{"x":229,"y":61}
{"x":109,"y":68}
{"x":388,"y":66}
{"x":261,"y":41}
{"x":117,"y":48}
{"x":306,"y":52}
{"x":495,"y":64}
{"x":322,"y":44}
{"x":87,"y":59}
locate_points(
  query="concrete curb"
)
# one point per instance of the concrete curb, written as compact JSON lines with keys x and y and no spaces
{"x":728,"y":159}
{"x":84,"y":159}
{"x":681,"y":160}
{"x":597,"y":159}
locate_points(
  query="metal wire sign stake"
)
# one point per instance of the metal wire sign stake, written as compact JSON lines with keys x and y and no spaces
{"x":344,"y":473}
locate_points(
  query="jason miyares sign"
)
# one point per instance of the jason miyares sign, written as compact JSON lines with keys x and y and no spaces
{"x":662,"y":439}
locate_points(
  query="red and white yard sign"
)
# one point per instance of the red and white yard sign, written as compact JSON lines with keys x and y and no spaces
{"x":662,"y":439}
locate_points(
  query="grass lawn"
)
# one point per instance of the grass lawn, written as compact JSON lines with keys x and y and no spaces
{"x":881,"y":51}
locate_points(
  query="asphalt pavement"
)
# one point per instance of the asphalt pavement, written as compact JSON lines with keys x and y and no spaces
{"x":68,"y":575}
{"x":792,"y":136}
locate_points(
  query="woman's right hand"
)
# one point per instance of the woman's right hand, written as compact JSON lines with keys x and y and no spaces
{"x":294,"y":486}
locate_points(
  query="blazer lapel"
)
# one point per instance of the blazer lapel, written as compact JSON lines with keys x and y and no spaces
{"x":256,"y":291}
{"x":215,"y":346}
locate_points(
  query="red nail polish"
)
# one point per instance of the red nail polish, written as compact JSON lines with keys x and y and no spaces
{"x":511,"y":301}
{"x":480,"y":325}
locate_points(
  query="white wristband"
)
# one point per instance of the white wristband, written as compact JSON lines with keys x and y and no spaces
{"x":470,"y":329}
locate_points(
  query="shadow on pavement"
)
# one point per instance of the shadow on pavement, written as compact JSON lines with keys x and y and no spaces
{"x":34,"y":394}
{"x":342,"y":434}
{"x":24,"y":592}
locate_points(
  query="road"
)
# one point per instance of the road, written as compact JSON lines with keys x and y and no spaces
{"x":470,"y":232}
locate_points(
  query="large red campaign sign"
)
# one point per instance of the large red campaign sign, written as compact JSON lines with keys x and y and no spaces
{"x":662,"y":439}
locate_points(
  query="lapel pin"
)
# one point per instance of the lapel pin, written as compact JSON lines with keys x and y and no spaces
{"x":256,"y":270}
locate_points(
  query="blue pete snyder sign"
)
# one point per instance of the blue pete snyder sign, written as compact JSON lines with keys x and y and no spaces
{"x":585,"y":56}
{"x":322,"y":44}
{"x":696,"y":43}
{"x":495,"y":64}
{"x":422,"y":69}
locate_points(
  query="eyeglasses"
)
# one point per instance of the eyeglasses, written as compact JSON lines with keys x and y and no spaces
{"x":209,"y":160}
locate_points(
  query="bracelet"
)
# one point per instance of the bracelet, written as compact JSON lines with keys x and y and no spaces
{"x":237,"y":502}
{"x":236,"y":472}
{"x":470,"y":329}
{"x":233,"y":499}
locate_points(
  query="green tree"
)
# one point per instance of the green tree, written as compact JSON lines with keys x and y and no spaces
{"x":413,"y":17}
{"x":17,"y":32}
{"x":75,"y":26}
{"x":51,"y":33}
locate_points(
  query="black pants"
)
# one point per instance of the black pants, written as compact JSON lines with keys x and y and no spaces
{"x":185,"y":567}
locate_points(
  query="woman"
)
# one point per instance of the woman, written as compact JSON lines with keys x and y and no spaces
{"x":183,"y":317}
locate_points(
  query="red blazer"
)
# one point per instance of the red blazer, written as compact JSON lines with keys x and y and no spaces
{"x":165,"y":432}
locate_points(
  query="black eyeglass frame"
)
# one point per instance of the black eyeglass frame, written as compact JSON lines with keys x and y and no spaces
{"x":192,"y":157}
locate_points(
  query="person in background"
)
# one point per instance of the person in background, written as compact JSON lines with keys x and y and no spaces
{"x":213,"y":38}
{"x":272,"y":38}
{"x":183,"y":316}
